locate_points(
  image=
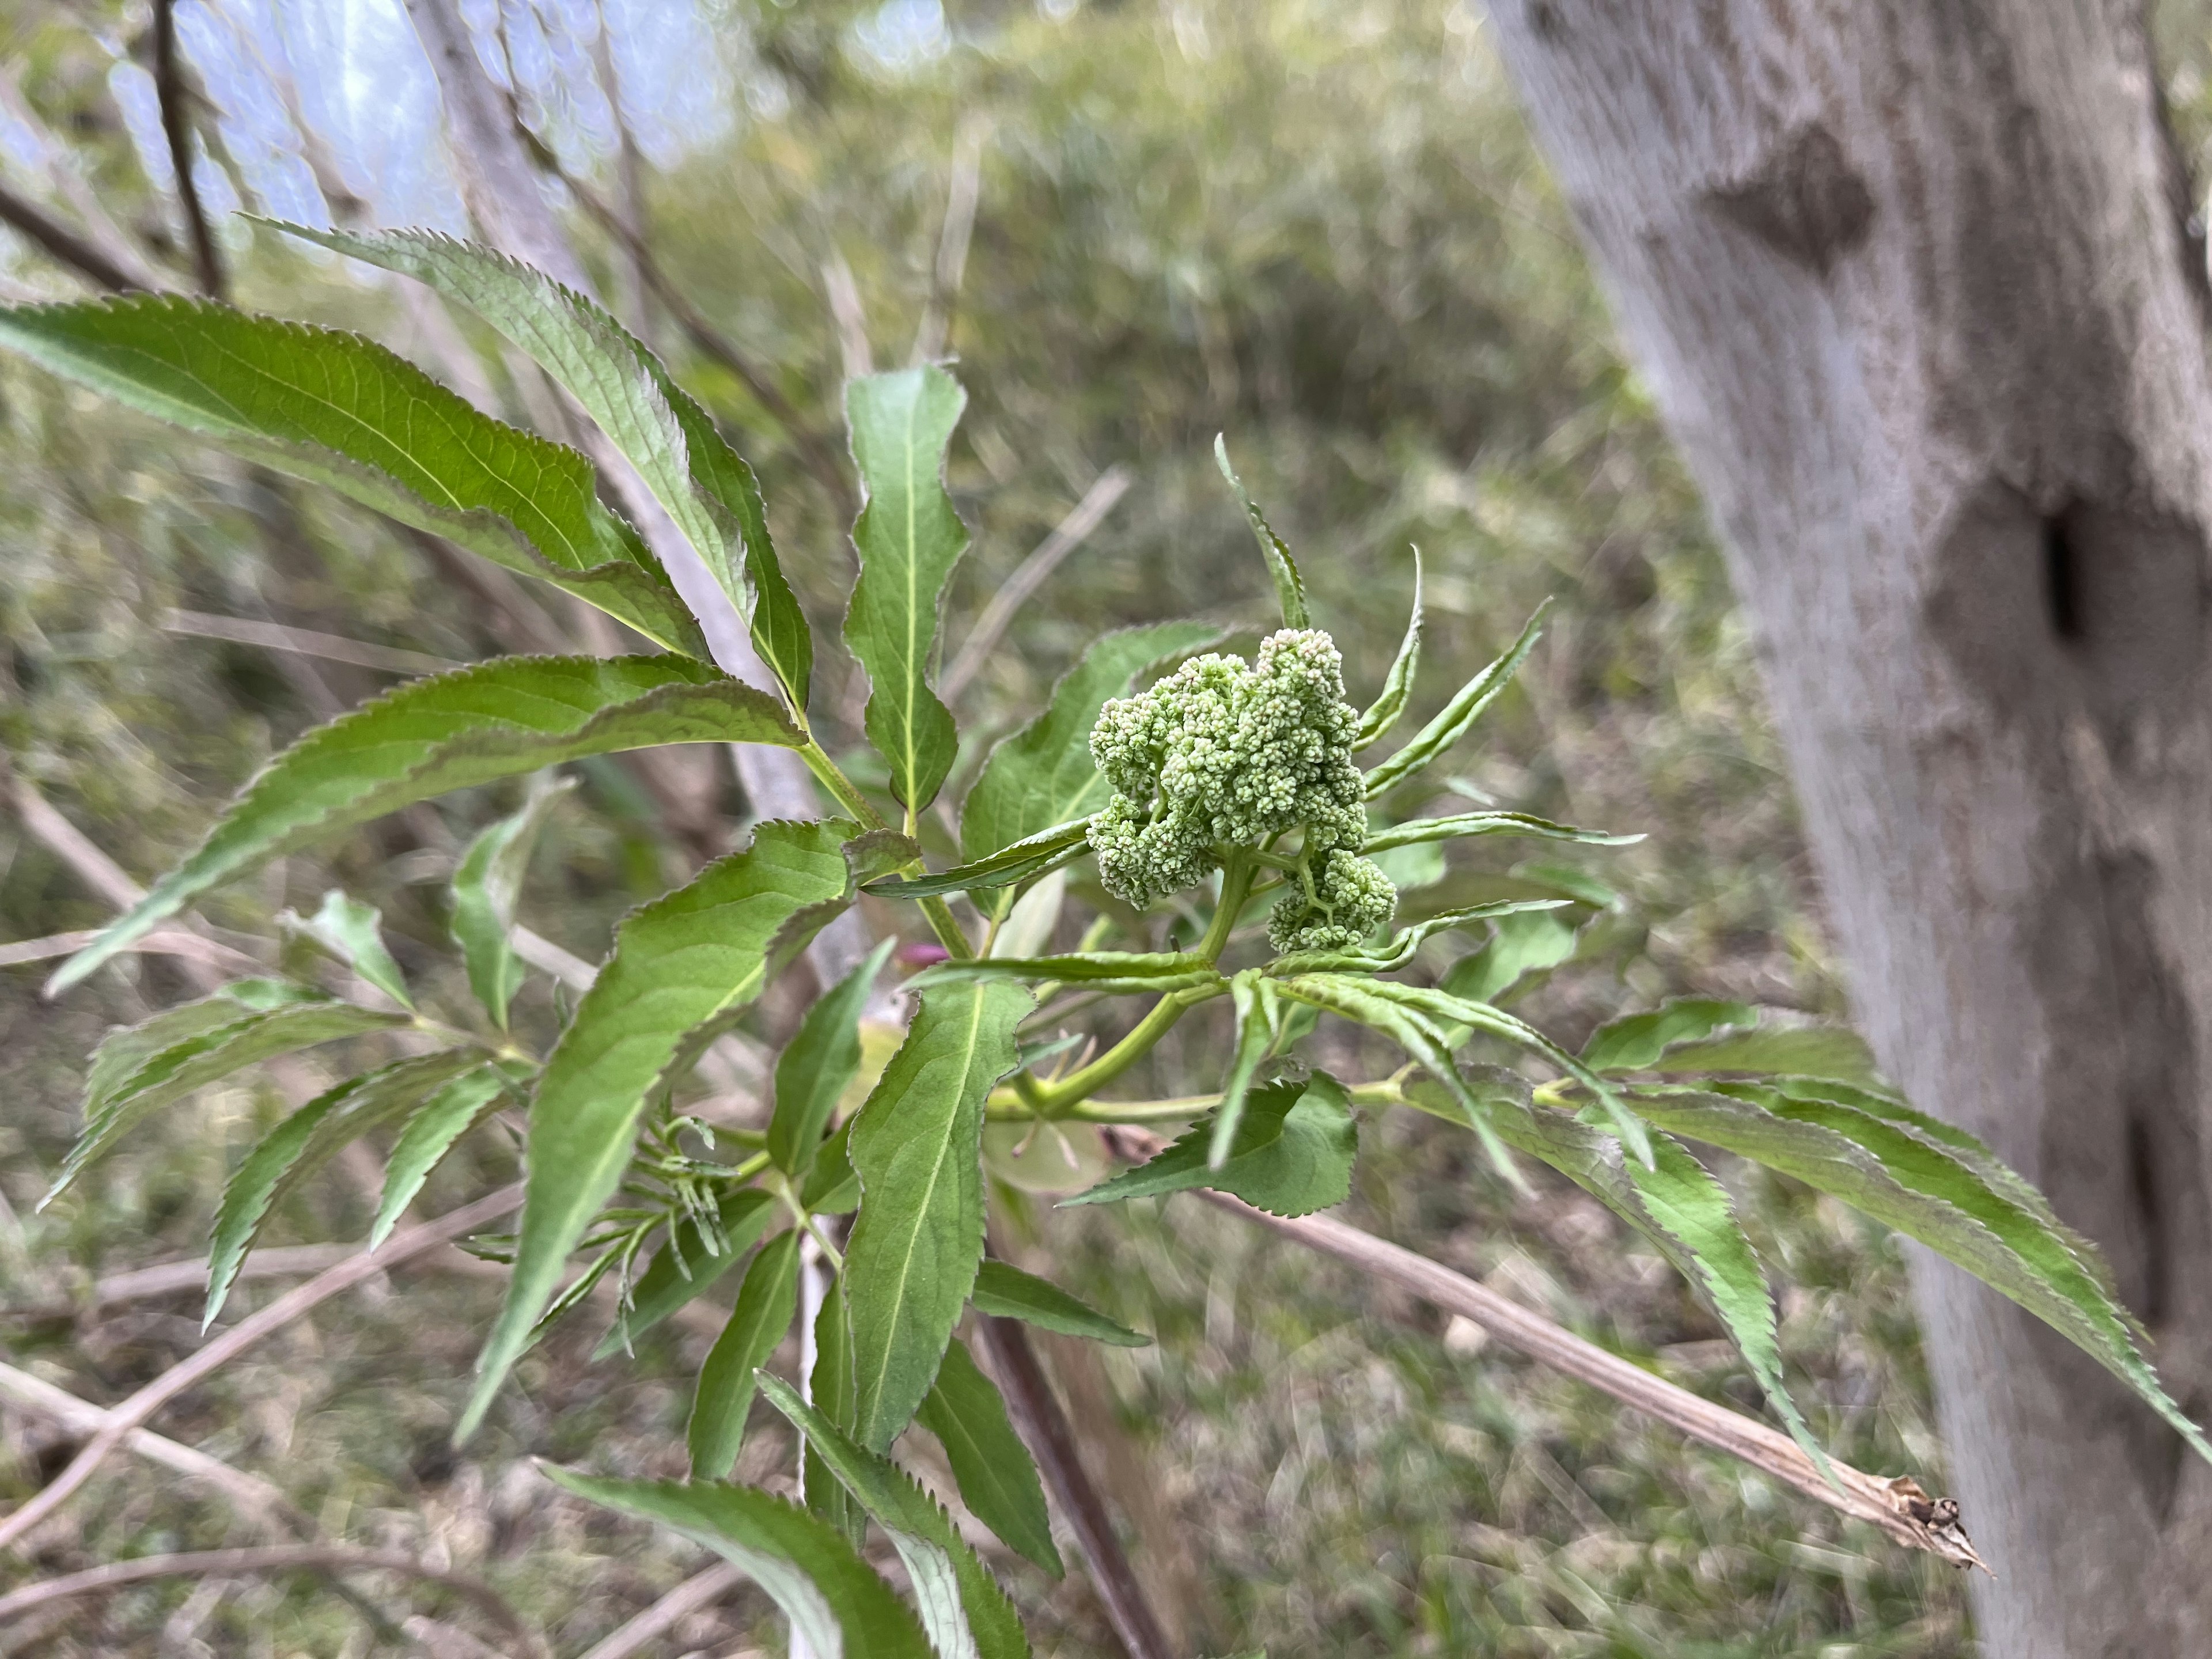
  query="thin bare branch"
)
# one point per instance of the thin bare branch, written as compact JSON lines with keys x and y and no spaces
{"x":1051,"y":1439}
{"x":702,"y":1589}
{"x":162,"y":941}
{"x":1890,"y":1504}
{"x":249,"y":1493}
{"x":135,"y":1410}
{"x":176,"y":126}
{"x":1043,"y":559}
{"x":850,"y":316}
{"x":63,"y":245}
{"x":73,"y":847}
{"x":304,"y":641}
{"x":960,"y":200}
{"x":273,"y":1558}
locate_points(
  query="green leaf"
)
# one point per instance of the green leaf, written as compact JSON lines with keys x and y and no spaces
{"x":700,"y":483}
{"x":303,"y":1143}
{"x":1443,"y":1006}
{"x":1293,"y":1154}
{"x":135,"y":1075}
{"x":1412,"y":1028}
{"x":1102,"y":970}
{"x":1880,"y":1167}
{"x":997,"y":1477}
{"x":680,"y":966}
{"x":910,"y":538}
{"x":831,"y":1187}
{"x":1289,"y":586}
{"x":340,"y":410}
{"x":917,"y":1148}
{"x":690,"y":1263}
{"x":1042,"y":777}
{"x":1407,"y":940}
{"x":1257,"y":1019}
{"x":1521,"y":946}
{"x":832,"y":1597}
{"x":961,"y":1606}
{"x":1035,"y":855}
{"x":1415,"y":831}
{"x":1382,"y":715}
{"x":818,"y":1063}
{"x":476,"y":725}
{"x":1459,"y":713}
{"x":447,"y":1116}
{"x":1009,"y":1293}
{"x":487,"y":885}
{"x":1680,"y":1194}
{"x":1822,"y":1051}
{"x":1635,"y":1042}
{"x":831,"y":1388}
{"x":766,"y":1302}
{"x":353,"y":933}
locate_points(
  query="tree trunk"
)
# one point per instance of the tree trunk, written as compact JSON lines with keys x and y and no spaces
{"x":1915,"y":284}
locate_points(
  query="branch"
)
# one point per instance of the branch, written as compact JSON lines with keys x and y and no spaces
{"x":249,"y":1493}
{"x":961,"y":196}
{"x":1046,"y":1430}
{"x":702,"y":1589}
{"x":277,"y":1558}
{"x":303,"y":642}
{"x":1108,"y":488}
{"x":60,"y":167}
{"x":1897,"y":1505}
{"x":162,"y":941}
{"x":63,"y":245}
{"x":141,"y":1405}
{"x":176,"y":127}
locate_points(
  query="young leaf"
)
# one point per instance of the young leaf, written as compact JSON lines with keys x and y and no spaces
{"x":474,"y":725}
{"x":1010,"y":1293}
{"x":1519,"y":947}
{"x":138,"y":1079}
{"x":833,"y":1599}
{"x":680,"y":963}
{"x":961,"y":1606}
{"x":917,"y":1148}
{"x":340,"y":410}
{"x":1293,"y":1154}
{"x":909,"y":538}
{"x":997,"y":1477}
{"x":1878,"y":1166}
{"x":353,"y":933}
{"x":1819,"y":1051}
{"x":1254,"y":996}
{"x":822,"y":1058}
{"x":766,"y":1302}
{"x":1034,"y":855}
{"x":1681,"y":1195}
{"x":1461,"y":713}
{"x":1042,"y":775}
{"x":1634,"y":1042}
{"x":700,"y":482}
{"x":1382,"y":715}
{"x":486,"y":885}
{"x":1415,"y":831}
{"x":1289,"y":587}
{"x":688,"y":1264}
{"x":306,"y":1141}
{"x":447,"y":1116}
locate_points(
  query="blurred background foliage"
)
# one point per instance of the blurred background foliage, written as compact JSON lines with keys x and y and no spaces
{"x":1315,"y":226}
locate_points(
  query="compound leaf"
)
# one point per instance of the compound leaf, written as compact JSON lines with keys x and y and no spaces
{"x":447,"y":1116}
{"x":917,"y":1148}
{"x":909,"y":538}
{"x":476,"y":725}
{"x":680,"y":965}
{"x":832,"y":1597}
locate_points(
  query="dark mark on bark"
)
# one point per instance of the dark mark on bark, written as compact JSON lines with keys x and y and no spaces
{"x":1804,"y":200}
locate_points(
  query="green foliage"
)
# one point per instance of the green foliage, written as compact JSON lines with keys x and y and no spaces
{"x":1225,"y":790}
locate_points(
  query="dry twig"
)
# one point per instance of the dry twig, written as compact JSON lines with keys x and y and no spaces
{"x":702,"y":1589}
{"x":176,"y":126}
{"x":306,"y":642}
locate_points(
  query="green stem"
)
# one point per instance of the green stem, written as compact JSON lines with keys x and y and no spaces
{"x":1054,"y":1099}
{"x":840,"y":787}
{"x":1006,"y":1107}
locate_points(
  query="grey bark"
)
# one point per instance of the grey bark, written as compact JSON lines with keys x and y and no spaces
{"x":1915,"y":284}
